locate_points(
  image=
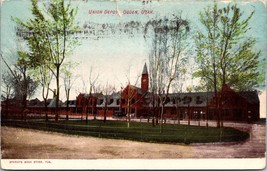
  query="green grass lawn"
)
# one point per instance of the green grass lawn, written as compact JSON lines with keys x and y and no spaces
{"x":172,"y":133}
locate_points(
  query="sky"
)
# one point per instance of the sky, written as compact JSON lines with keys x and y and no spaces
{"x":119,"y":59}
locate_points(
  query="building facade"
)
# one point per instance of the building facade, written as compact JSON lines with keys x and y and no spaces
{"x":137,"y":102}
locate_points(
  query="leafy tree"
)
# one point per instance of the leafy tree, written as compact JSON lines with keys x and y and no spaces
{"x":25,"y":86}
{"x":38,"y":59}
{"x":42,"y":72}
{"x":20,"y":81}
{"x":51,"y":33}
{"x":225,"y":53}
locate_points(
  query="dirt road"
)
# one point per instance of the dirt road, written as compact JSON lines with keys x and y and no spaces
{"x":17,"y":143}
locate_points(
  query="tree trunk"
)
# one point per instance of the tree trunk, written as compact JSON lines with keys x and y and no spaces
{"x":220,"y":115}
{"x":128,"y":113}
{"x":157,"y":115}
{"x":67,"y":115}
{"x":105,"y":115}
{"x":188,"y":118}
{"x":221,"y":120}
{"x":189,"y":114}
{"x":221,"y":98}
{"x":199,"y":118}
{"x":68,"y":97}
{"x":24,"y":102}
{"x":46,"y":114}
{"x":7,"y":108}
{"x":161,"y":118}
{"x":154,"y":111}
{"x":216,"y":96}
{"x":57,"y":93}
{"x":207,"y":116}
{"x":93,"y":110}
{"x":86,"y":118}
{"x":178,"y":115}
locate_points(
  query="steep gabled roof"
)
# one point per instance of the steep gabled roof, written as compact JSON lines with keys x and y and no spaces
{"x":92,"y":94}
{"x":139,"y":90}
{"x":34,"y":102}
{"x":52,"y":103}
{"x":250,"y":96}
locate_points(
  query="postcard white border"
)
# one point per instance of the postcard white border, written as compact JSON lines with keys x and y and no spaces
{"x":114,"y":164}
{"x":155,"y":164}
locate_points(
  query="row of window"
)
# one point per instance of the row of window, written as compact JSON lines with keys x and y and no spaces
{"x":184,"y":100}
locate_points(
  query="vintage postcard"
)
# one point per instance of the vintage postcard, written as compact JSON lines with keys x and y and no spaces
{"x":133,"y":84}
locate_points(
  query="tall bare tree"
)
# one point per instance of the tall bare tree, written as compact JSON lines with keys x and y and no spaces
{"x":7,"y":89}
{"x":130,"y":94}
{"x":69,"y":80}
{"x":177,"y":88}
{"x":92,"y":87}
{"x":23,"y":85}
{"x":107,"y":89}
{"x":167,"y":56}
{"x":93,"y":79}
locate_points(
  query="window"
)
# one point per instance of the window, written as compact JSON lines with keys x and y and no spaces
{"x":199,"y":100}
{"x":167,"y":100}
{"x":111,"y":101}
{"x":187,"y":99}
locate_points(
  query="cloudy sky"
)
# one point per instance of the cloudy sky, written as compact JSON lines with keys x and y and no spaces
{"x":117,"y":58}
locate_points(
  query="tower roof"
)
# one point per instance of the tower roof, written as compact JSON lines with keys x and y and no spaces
{"x":145,"y":69}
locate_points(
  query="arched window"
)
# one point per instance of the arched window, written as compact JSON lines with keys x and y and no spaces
{"x":167,"y":100}
{"x":199,"y":100}
{"x":187,"y":99}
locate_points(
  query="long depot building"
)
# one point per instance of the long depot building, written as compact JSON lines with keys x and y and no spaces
{"x":138,"y":102}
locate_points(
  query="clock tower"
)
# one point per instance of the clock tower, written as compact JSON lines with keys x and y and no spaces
{"x":144,"y":79}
